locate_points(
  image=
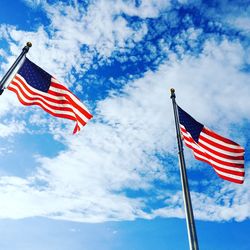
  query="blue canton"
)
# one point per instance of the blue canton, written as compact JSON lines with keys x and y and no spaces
{"x":35,"y":76}
{"x":191,"y":125}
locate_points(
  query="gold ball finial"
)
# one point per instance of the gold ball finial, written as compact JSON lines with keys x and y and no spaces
{"x":172,"y":90}
{"x":29,"y":44}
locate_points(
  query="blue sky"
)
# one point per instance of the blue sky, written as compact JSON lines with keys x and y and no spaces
{"x":116,"y":184}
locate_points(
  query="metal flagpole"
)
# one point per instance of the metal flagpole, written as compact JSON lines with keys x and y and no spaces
{"x":14,"y":65}
{"x":193,"y":242}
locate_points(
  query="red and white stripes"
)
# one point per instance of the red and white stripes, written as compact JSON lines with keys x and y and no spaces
{"x":58,"y":101}
{"x":224,"y":155}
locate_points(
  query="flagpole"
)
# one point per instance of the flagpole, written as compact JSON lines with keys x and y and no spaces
{"x":192,"y":237}
{"x":12,"y":68}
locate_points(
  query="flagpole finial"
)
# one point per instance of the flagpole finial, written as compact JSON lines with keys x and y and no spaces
{"x":29,"y":44}
{"x":14,"y":65}
{"x":27,"y":47}
{"x":172,"y":90}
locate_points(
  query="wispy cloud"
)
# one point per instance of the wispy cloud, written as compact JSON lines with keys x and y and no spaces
{"x":104,"y":172}
{"x":34,"y":3}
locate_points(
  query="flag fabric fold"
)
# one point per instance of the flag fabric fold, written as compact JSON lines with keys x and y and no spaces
{"x":34,"y":86}
{"x":225,"y":156}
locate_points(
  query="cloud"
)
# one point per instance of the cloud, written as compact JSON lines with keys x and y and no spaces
{"x":34,"y":3}
{"x":227,"y":202}
{"x":241,"y":23}
{"x":89,"y":35}
{"x":110,"y":170}
{"x":229,"y":15}
{"x":13,"y":127}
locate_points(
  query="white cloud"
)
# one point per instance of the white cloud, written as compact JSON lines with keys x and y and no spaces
{"x":242,"y":23}
{"x":11,"y":127}
{"x":102,"y":28}
{"x":117,"y":151}
{"x":224,"y":203}
{"x":33,"y":3}
{"x":57,"y":48}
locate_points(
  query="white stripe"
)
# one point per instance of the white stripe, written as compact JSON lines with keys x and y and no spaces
{"x":37,"y":91}
{"x":236,"y":177}
{"x":80,"y":114}
{"x":212,"y":162}
{"x":41,"y":93}
{"x":182,"y":126}
{"x":220,"y":165}
{"x":220,"y":142}
{"x":72,"y":96}
{"x":38,"y":96}
{"x":199,"y":147}
{"x":222,"y":158}
{"x":194,"y":145}
{"x":220,"y":150}
{"x":43,"y":104}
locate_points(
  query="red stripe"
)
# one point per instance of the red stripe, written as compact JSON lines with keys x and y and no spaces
{"x":40,"y":98}
{"x":216,"y":167}
{"x":61,"y":99}
{"x":201,"y":147}
{"x":225,"y":163}
{"x":224,"y":171}
{"x":59,"y":86}
{"x":76,"y":129}
{"x":36,"y":103}
{"x":65,"y":101}
{"x":79,"y":119}
{"x":232,"y":150}
{"x":219,"y":137}
{"x":228,"y":164}
{"x":191,"y":140}
{"x":230,"y":157}
{"x":55,"y":100}
{"x":82,"y":110}
{"x":230,"y":179}
{"x":229,"y":171}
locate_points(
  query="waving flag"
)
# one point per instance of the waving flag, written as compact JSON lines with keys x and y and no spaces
{"x":224,"y":155}
{"x":34,"y":86}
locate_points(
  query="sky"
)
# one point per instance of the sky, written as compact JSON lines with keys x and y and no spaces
{"x":116,"y":184}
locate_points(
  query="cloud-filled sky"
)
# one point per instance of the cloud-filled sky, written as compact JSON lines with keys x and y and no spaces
{"x":116,"y":184}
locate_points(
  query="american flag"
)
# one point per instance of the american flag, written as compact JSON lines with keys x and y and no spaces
{"x":224,"y":155}
{"x":34,"y":86}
